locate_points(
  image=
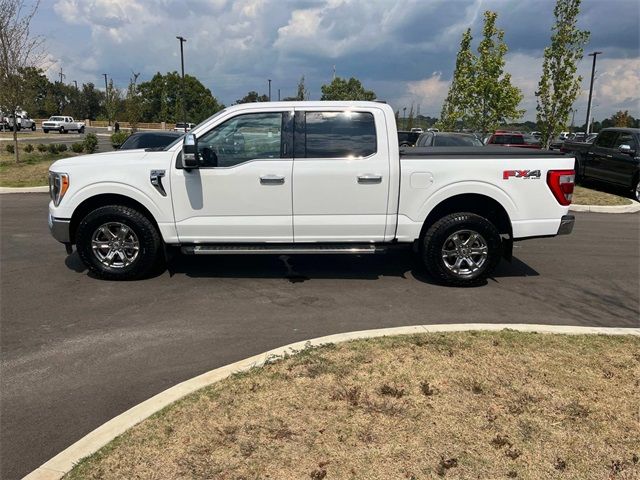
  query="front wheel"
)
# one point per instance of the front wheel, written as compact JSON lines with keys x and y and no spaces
{"x":33,"y":127}
{"x":81,"y":130}
{"x":635,"y":193}
{"x":461,"y":249}
{"x":119,"y":243}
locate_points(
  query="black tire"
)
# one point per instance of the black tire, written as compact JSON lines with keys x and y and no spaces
{"x":33,"y":127}
{"x":635,"y":192}
{"x":438,"y":239}
{"x":81,"y":130}
{"x":45,"y":130}
{"x":62,"y":130}
{"x":150,"y":256}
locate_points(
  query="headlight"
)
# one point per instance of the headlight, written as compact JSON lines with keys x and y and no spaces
{"x":58,"y":186}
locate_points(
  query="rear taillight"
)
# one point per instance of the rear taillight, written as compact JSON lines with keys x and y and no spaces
{"x":561,"y":183}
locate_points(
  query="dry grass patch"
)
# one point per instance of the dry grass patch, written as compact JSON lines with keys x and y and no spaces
{"x":455,"y":405}
{"x":587,"y":196}
{"x":32,"y":171}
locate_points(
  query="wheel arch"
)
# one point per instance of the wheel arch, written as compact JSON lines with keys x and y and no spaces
{"x":477,"y":203}
{"x":101,"y":200}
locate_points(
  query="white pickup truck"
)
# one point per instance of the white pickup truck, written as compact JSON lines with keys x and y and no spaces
{"x":62,"y":125}
{"x":312,"y":178}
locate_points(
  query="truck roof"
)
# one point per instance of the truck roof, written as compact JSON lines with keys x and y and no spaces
{"x":621,"y":129}
{"x":310,"y":104}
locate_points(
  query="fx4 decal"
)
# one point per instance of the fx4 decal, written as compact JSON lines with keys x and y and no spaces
{"x":507,"y":174}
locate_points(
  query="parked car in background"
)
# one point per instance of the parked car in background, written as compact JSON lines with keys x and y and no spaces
{"x":183,"y":127}
{"x":407,"y":139}
{"x":536,"y":134}
{"x":505,"y":139}
{"x":23,"y":122}
{"x":447,"y":139}
{"x":158,"y":139}
{"x":531,"y":140}
{"x":417,"y":130}
{"x":62,"y":124}
{"x":613,"y":158}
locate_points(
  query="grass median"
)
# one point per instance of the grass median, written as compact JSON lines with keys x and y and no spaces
{"x":457,"y":405}
{"x":32,"y":171}
{"x":588,"y":196}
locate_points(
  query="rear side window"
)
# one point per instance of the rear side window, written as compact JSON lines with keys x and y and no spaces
{"x":340,"y":134}
{"x":606,"y":139}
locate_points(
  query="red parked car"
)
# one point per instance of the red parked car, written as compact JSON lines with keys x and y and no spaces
{"x":507,"y":139}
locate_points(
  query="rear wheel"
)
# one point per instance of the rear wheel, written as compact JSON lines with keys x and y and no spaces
{"x":461,"y":249}
{"x":635,"y":193}
{"x":119,"y":243}
{"x":45,"y":130}
{"x":81,"y":130}
{"x":62,"y":130}
{"x":33,"y":127}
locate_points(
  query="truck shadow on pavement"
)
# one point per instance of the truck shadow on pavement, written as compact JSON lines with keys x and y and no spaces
{"x":301,"y":268}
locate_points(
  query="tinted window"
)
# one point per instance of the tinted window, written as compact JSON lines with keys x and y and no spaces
{"x":424,"y":140}
{"x":625,"y":139}
{"x":240,"y":139}
{"x":148,"y":140}
{"x":456,"y":141}
{"x":340,"y":134}
{"x":606,"y":139}
{"x":508,"y":139}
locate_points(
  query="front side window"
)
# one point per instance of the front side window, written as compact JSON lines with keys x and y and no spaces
{"x":340,"y":134}
{"x":625,"y":139}
{"x":241,"y":139}
{"x":606,"y":139}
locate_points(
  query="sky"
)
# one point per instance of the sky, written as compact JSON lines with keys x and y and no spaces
{"x":404,"y":50}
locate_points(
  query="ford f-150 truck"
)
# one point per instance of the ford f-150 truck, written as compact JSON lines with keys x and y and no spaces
{"x":62,"y":125}
{"x":309,"y":178}
{"x":613,"y":157}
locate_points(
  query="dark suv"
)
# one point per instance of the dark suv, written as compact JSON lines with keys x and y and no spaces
{"x":407,"y":139}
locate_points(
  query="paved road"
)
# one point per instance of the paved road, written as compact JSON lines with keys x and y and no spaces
{"x":77,"y":351}
{"x":34,"y":138}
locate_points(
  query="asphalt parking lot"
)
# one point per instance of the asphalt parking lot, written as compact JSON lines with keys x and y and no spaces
{"x":76,"y":351}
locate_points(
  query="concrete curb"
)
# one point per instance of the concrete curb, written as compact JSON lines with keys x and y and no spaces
{"x":43,"y":189}
{"x":633,"y":208}
{"x":62,"y":463}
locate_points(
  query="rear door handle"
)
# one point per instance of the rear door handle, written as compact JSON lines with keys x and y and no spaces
{"x":272,"y":180}
{"x":369,"y":179}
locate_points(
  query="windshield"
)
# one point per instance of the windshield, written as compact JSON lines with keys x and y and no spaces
{"x":179,"y":139}
{"x":56,"y":119}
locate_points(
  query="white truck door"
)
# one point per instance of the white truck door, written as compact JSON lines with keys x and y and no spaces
{"x":340,"y":175}
{"x":242,"y":192}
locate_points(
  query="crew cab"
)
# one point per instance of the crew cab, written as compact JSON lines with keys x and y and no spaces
{"x":309,"y":178}
{"x":613,"y":157}
{"x":22,"y":121}
{"x":62,"y":124}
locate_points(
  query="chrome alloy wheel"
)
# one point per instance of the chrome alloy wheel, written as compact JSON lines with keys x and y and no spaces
{"x":115,"y":245}
{"x":465,"y":252}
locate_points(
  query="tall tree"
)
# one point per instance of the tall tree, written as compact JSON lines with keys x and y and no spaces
{"x":410,"y":119}
{"x":341,"y":89}
{"x":455,"y":106}
{"x":301,"y":94}
{"x":622,"y":119}
{"x":559,"y":85}
{"x":133,"y":103}
{"x":112,"y":99}
{"x":252,"y":97}
{"x":494,"y":99}
{"x":19,"y":50}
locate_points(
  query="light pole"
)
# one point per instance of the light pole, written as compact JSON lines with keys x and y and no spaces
{"x":278,"y":94}
{"x":573,"y":117}
{"x":75,"y":82}
{"x":106,"y":97}
{"x":404,"y":118}
{"x":184,"y":108}
{"x":593,"y":72}
{"x":269,"y":89}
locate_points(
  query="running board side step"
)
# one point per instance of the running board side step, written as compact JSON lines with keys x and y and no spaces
{"x":282,"y":249}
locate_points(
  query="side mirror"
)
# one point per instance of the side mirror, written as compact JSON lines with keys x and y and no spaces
{"x":190,"y":154}
{"x":626,"y":149}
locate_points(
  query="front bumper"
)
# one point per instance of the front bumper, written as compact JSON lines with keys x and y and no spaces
{"x":60,"y":229}
{"x":566,"y":224}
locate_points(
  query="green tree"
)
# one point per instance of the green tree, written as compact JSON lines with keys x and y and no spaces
{"x":458,"y":99}
{"x":559,"y":85}
{"x":622,"y":119}
{"x":112,"y":100}
{"x":133,"y":103}
{"x":494,"y":99}
{"x":161,"y":99}
{"x":90,"y":102}
{"x":252,"y":97}
{"x":301,"y":94}
{"x":341,"y":89}
{"x":410,"y":119}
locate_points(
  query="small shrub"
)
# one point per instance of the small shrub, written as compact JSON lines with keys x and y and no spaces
{"x":10,"y":148}
{"x":52,"y":148}
{"x":28,"y":148}
{"x":77,"y":147}
{"x":42,"y":147}
{"x":90,"y":143}
{"x":118,"y":139}
{"x":61,"y":147}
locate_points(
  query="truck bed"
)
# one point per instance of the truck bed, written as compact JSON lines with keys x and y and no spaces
{"x":473,"y":152}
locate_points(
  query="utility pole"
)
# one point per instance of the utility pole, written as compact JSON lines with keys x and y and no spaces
{"x":106,"y":97}
{"x":593,"y":72}
{"x":278,"y":94}
{"x":75,"y":82}
{"x":334,"y":72}
{"x":404,"y":118}
{"x":62,"y":75}
{"x":269,"y":89}
{"x":184,"y":107}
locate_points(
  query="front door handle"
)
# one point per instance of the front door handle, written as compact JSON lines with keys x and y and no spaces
{"x":272,"y":180}
{"x":369,"y":179}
